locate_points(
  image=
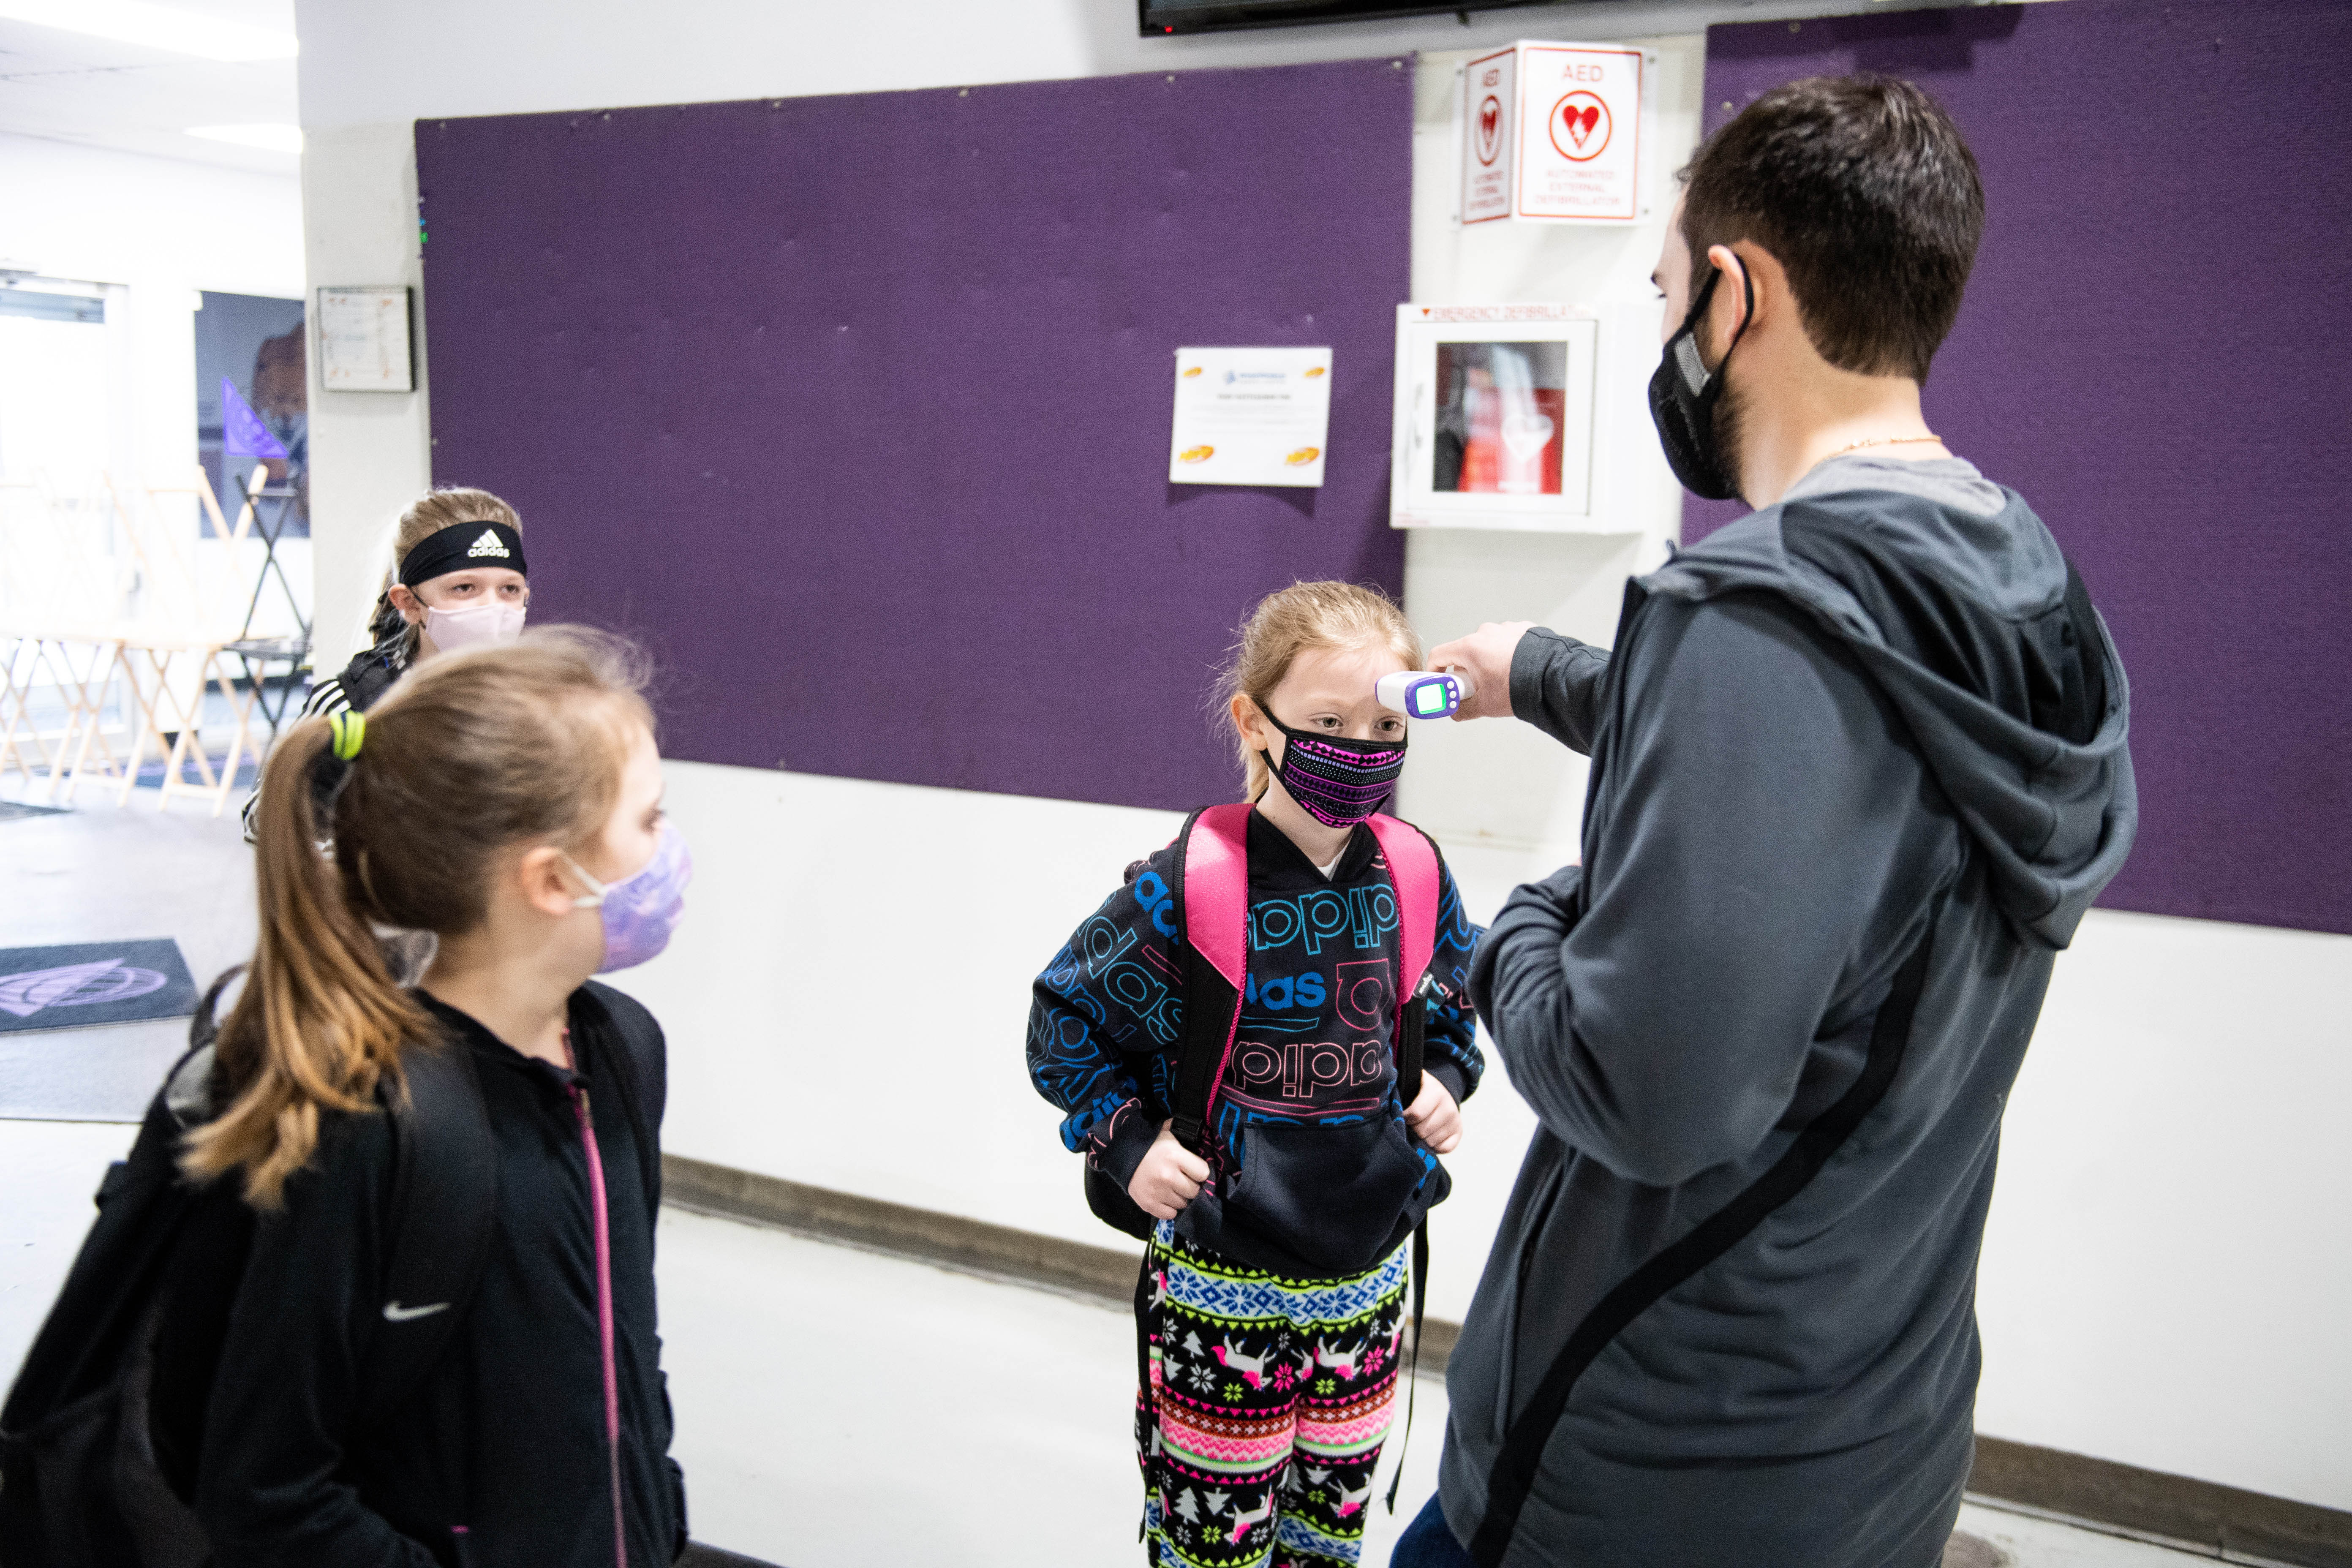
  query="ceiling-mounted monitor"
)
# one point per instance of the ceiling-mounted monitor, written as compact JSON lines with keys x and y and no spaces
{"x":1158,"y":18}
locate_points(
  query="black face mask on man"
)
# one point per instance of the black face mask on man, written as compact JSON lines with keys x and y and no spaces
{"x":1683,"y":398}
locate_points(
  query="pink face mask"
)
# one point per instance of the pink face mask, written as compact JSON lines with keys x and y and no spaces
{"x":475,"y":625}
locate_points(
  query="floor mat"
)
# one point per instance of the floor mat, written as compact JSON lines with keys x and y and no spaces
{"x":83,"y":985}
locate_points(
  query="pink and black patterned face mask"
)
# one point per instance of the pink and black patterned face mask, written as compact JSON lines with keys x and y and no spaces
{"x":1339,"y":782}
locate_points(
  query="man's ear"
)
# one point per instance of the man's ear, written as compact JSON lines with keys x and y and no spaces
{"x":405,"y":600}
{"x":1737,"y":302}
{"x":546,"y":882}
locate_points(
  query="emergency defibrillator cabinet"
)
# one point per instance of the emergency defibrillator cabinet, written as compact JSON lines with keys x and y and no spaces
{"x":1497,"y":423}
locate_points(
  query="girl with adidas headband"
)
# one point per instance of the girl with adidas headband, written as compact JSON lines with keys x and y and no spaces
{"x":457,"y":581}
{"x":1269,"y":1316}
{"x":508,"y":799}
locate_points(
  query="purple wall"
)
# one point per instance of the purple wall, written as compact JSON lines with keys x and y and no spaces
{"x":855,"y":410}
{"x":2151,"y":353}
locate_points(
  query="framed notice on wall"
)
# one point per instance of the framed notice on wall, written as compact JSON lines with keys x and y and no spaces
{"x":1251,"y":417}
{"x":364,"y":341}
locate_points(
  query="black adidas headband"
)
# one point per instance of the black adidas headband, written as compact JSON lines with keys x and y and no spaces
{"x":461,"y":547}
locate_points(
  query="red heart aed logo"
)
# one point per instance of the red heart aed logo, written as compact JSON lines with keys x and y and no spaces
{"x":1580,"y":126}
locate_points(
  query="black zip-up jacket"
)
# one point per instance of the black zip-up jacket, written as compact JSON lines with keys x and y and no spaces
{"x":499,"y":1459}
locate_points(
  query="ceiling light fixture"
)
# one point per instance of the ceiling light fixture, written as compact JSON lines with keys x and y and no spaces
{"x":168,"y":27}
{"x":268,"y":138}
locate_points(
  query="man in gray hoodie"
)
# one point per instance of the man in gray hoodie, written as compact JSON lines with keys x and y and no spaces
{"x":1858,"y":770}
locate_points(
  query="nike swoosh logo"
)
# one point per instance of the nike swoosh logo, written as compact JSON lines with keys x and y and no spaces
{"x":394,"y":1312}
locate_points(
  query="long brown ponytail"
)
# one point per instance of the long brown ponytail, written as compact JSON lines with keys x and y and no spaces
{"x":469,"y":757}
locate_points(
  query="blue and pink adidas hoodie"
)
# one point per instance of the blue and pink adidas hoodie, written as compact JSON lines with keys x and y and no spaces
{"x":1311,"y":1165}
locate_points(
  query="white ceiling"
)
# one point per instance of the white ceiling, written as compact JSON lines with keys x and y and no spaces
{"x":71,"y":87}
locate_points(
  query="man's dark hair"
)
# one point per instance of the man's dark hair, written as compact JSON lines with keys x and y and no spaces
{"x":1866,"y":191}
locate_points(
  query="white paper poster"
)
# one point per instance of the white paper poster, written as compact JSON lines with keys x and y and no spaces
{"x":1251,"y":417}
{"x":364,"y":340}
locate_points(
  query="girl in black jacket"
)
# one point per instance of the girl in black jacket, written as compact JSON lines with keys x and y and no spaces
{"x":507,"y":800}
{"x":457,"y":581}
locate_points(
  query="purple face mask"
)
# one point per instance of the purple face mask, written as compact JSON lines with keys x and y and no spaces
{"x":640,"y":909}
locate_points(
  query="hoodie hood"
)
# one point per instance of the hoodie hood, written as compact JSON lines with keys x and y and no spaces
{"x":1954,"y":599}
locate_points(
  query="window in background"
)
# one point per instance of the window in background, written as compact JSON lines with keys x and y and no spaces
{"x":56,"y":417}
{"x":60,"y":401}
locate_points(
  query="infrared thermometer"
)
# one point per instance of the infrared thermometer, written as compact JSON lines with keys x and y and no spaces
{"x":1424,"y":694}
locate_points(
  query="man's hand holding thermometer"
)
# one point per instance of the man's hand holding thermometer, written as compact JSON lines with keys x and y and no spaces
{"x":1483,"y":660}
{"x":1424,"y":694}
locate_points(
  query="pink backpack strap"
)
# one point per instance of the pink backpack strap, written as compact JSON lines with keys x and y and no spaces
{"x":1413,"y":867}
{"x":1216,"y":889}
{"x":1216,"y":928}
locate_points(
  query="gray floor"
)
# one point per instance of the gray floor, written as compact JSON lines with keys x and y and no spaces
{"x":100,"y":873}
{"x":841,"y":1409}
{"x":835,"y":1408}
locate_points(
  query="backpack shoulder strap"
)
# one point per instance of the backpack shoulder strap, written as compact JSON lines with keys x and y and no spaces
{"x":2084,"y":702}
{"x":1413,"y":868}
{"x":1215,"y":874}
{"x":1212,"y":875}
{"x":444,"y":1205}
{"x":371,"y":672}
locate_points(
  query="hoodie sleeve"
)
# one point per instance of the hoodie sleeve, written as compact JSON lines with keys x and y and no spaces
{"x":268,"y":1489}
{"x":1556,"y":685}
{"x":1755,"y":825}
{"x":1112,"y":997}
{"x":1450,"y":1043}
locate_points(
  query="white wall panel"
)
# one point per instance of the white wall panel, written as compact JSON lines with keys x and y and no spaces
{"x":2168,"y":1271}
{"x":847,"y":1000}
{"x":68,"y":211}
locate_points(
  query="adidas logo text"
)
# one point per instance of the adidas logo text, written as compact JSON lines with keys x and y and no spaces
{"x":488,"y":546}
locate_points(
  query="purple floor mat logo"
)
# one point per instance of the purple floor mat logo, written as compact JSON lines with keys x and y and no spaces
{"x":77,"y":985}
{"x":91,"y":985}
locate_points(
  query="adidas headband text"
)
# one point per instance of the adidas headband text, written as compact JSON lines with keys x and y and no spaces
{"x":460,"y":547}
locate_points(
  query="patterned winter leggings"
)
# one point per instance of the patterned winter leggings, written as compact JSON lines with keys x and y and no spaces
{"x":1266,"y":1403}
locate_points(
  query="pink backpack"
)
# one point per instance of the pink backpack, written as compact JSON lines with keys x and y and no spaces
{"x":1213,"y":870}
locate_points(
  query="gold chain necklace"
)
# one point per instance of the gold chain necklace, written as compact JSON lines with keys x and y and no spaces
{"x":1887,"y":441}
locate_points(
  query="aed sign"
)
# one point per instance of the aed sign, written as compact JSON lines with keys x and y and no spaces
{"x":1553,"y":133}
